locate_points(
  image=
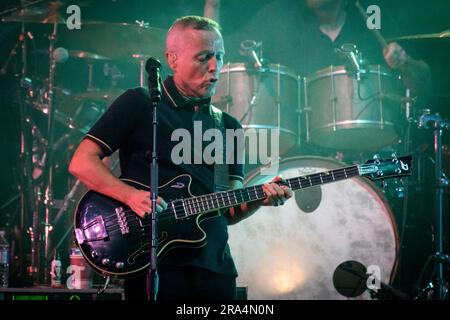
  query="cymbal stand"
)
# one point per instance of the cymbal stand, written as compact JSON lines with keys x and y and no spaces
{"x":439,"y":257}
{"x":142,"y":59}
{"x":26,"y":189}
{"x":48,"y":195}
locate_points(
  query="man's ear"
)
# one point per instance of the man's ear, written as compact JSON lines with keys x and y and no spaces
{"x":171,"y":60}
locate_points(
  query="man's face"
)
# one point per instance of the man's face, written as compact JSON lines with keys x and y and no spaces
{"x":197,"y":62}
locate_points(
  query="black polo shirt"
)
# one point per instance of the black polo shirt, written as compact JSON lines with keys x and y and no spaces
{"x":127,"y":126}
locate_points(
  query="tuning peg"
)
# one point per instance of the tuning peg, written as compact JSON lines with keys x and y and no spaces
{"x":394,"y":157}
{"x":376,"y":157}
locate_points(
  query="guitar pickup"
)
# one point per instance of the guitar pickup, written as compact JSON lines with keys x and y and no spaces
{"x":94,"y":230}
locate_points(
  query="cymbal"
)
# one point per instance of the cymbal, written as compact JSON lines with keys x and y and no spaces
{"x":100,"y":95}
{"x":117,"y":40}
{"x":76,"y":54}
{"x":45,"y":14}
{"x":430,"y":36}
{"x":79,"y":54}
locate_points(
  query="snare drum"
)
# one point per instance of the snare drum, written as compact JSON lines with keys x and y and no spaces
{"x":347,"y":111}
{"x":265,"y":98}
{"x":294,"y":251}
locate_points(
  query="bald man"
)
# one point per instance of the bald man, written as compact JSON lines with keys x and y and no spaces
{"x":194,"y":52}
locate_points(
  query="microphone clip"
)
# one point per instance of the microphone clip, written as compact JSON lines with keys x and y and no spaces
{"x":248,"y":49}
{"x":351,"y":55}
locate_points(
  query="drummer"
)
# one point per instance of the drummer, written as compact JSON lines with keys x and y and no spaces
{"x":308,"y":32}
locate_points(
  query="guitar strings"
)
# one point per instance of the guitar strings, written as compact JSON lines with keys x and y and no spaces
{"x":297,"y":182}
{"x":194,"y":204}
{"x":168,"y":213}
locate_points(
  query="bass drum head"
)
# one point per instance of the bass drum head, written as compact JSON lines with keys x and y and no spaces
{"x":294,"y":251}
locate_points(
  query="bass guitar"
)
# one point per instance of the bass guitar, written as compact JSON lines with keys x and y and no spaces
{"x":116,"y":241}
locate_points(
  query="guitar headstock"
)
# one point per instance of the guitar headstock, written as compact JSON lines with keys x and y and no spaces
{"x":378,"y":169}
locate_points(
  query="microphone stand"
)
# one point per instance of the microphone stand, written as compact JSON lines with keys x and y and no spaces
{"x":439,"y":257}
{"x":154,"y":87}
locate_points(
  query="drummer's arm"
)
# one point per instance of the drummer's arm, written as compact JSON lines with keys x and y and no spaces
{"x":273,"y":192}
{"x":212,"y":10}
{"x":416,"y":74}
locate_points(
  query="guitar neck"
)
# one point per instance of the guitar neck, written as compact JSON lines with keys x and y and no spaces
{"x":227,"y":199}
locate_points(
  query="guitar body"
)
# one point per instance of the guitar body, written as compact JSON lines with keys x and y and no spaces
{"x":116,"y":241}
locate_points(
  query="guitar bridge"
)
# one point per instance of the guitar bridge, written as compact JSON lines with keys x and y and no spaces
{"x":122,"y":221}
{"x":94,"y":230}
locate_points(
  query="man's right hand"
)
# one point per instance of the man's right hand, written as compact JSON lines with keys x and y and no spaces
{"x":87,"y":166}
{"x":139,"y":201}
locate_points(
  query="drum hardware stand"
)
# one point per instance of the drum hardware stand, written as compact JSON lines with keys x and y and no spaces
{"x":228,"y":98}
{"x":26,"y":188}
{"x":255,"y":97}
{"x":306,"y":109}
{"x":404,"y":191}
{"x":439,"y":257}
{"x":48,"y":193}
{"x":299,"y":111}
{"x":142,"y":58}
{"x":90,"y":66}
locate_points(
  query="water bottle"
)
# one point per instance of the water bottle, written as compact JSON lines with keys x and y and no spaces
{"x":55,"y":272}
{"x":4,"y":260}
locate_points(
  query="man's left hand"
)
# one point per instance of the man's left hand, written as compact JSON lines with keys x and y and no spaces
{"x":275,"y":194}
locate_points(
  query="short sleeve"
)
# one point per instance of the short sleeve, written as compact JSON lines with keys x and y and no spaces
{"x":115,"y":126}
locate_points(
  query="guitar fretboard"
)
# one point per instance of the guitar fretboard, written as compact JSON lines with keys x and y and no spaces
{"x":226,"y":199}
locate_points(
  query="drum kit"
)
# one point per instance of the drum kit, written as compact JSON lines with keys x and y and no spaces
{"x":55,"y":115}
{"x":335,"y":111}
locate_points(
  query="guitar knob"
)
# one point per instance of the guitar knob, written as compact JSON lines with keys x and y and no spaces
{"x":400,"y":188}
{"x":105,"y":261}
{"x":120,"y":265}
{"x":94,"y":254}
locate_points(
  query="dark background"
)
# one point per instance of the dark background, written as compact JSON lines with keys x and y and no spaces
{"x":240,"y":20}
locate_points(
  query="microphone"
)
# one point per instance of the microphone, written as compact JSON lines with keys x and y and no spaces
{"x":152,"y":67}
{"x":60,"y":55}
{"x":351,"y":278}
{"x":248,"y":49}
{"x":347,"y":51}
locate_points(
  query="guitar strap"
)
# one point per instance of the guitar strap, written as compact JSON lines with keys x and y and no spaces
{"x":221,"y":173}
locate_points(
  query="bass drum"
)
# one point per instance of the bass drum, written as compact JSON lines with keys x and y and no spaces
{"x":293,"y":251}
